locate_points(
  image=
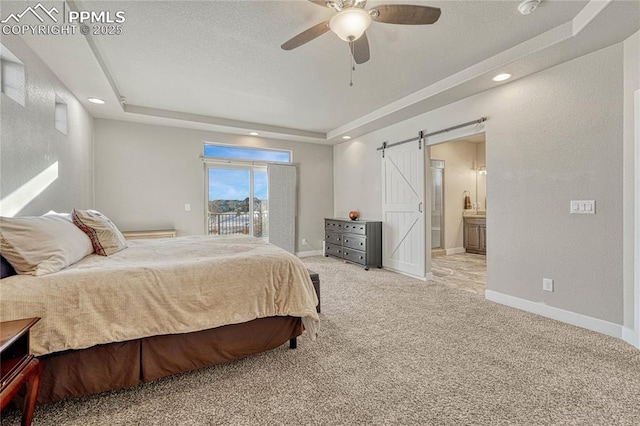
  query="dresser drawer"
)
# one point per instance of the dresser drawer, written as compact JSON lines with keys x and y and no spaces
{"x":333,"y":225}
{"x":354,"y":242}
{"x":333,"y":238}
{"x":333,"y":250}
{"x":355,"y":228}
{"x":354,"y":256}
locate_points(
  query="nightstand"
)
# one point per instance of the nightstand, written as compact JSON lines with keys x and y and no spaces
{"x":19,"y":367}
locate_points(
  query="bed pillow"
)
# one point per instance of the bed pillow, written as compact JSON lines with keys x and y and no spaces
{"x":41,"y":245}
{"x":55,"y":213}
{"x":104,"y":235}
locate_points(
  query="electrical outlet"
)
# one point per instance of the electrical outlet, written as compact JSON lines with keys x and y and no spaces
{"x":304,"y":241}
{"x":547,"y":284}
{"x":187,"y":207}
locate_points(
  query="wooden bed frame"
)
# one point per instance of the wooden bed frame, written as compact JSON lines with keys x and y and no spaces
{"x":125,"y":364}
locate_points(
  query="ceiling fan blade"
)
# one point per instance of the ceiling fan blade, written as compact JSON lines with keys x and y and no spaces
{"x":306,"y":36}
{"x":405,"y":14}
{"x":361,"y":52}
{"x":320,"y":2}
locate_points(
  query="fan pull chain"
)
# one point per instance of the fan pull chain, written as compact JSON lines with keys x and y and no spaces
{"x":353,"y":65}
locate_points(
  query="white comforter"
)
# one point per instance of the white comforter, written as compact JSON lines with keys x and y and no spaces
{"x":165,"y":286}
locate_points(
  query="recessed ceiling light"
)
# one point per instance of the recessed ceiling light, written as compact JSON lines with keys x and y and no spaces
{"x":346,"y":137}
{"x":96,"y":101}
{"x":254,"y":134}
{"x":502,"y":77}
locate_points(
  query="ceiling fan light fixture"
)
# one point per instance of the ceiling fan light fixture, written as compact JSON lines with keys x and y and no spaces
{"x":350,"y":24}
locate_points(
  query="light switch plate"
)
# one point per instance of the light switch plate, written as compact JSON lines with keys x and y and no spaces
{"x":583,"y":207}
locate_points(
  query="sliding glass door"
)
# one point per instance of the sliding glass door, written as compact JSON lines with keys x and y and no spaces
{"x":237,"y":200}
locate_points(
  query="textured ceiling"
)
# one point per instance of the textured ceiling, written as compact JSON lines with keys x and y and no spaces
{"x":218,"y":65}
{"x":223,"y":58}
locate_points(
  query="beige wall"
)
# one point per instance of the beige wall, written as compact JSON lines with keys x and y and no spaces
{"x":30,"y":144}
{"x":145,"y":174}
{"x":552,"y":137}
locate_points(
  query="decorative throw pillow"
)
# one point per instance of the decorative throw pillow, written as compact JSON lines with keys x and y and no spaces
{"x":41,"y":245}
{"x":104,"y":235}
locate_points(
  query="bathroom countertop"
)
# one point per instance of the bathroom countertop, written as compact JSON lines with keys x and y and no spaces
{"x":471,"y":213}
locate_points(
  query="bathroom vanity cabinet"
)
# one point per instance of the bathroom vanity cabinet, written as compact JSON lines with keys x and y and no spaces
{"x":475,"y":234}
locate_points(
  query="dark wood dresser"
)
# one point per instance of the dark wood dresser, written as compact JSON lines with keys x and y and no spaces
{"x":356,"y":241}
{"x":19,"y":367}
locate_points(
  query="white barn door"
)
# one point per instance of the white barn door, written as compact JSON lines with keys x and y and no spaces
{"x":403,"y":182}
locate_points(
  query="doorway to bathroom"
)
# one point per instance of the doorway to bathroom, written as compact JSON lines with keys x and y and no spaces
{"x":458,"y":196}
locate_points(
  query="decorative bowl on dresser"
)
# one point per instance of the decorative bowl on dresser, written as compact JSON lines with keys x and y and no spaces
{"x":354,"y":241}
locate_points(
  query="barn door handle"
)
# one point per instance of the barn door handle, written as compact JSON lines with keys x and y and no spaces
{"x":420,"y":206}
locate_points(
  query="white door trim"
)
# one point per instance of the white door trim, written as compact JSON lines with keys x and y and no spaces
{"x":633,"y":336}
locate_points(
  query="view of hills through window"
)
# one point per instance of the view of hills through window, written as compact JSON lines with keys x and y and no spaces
{"x":232,"y":187}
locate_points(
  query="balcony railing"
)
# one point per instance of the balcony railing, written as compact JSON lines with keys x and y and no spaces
{"x":237,"y":223}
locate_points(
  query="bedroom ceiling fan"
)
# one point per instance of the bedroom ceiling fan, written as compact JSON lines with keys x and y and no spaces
{"x":352,"y":20}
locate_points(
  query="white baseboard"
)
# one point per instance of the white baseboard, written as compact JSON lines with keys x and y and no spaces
{"x":455,"y":250}
{"x":309,"y":253}
{"x":579,"y":320}
{"x":631,"y":337}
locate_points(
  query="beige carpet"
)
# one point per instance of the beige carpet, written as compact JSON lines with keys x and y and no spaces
{"x":394,"y":350}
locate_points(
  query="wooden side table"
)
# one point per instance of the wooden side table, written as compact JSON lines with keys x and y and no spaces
{"x":19,"y":367}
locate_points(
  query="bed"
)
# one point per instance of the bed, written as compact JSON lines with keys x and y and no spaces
{"x":160,"y":307}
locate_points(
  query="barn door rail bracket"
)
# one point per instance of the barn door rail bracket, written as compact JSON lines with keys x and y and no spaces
{"x":422,"y":135}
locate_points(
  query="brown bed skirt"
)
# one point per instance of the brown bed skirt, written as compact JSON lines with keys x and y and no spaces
{"x":124,"y":364}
